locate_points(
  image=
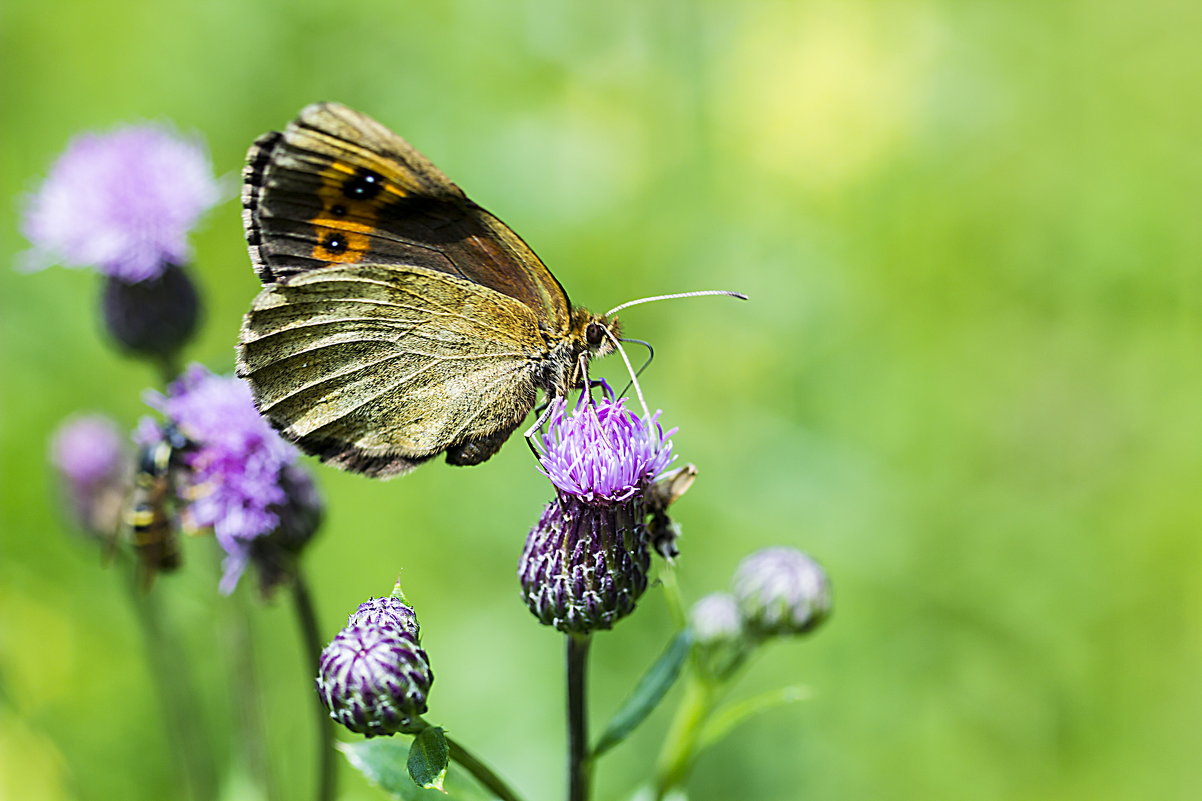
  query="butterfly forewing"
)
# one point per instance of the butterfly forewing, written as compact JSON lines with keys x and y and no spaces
{"x":378,"y":367}
{"x":336,"y":187}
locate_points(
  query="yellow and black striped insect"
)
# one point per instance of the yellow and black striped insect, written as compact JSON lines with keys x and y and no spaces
{"x":152,"y":519}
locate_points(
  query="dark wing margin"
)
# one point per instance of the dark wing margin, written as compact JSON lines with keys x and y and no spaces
{"x":337,"y":187}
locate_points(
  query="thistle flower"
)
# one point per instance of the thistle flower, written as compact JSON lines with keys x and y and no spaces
{"x":781,"y":591}
{"x":602,"y":452}
{"x":374,"y":679}
{"x":123,"y":203}
{"x":585,"y":567}
{"x":88,"y":453}
{"x":242,"y":480}
{"x":585,"y":563}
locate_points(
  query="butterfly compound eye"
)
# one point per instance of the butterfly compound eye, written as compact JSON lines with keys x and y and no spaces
{"x":594,"y":334}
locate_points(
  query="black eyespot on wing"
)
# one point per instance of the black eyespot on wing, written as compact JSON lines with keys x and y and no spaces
{"x":363,"y":185}
{"x":334,"y":243}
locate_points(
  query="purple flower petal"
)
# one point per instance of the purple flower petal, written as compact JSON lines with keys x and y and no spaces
{"x":122,"y":202}
{"x":235,"y":466}
{"x":602,"y":452}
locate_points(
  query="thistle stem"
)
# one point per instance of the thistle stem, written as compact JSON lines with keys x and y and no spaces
{"x":578,"y":761}
{"x":680,"y":747}
{"x":307,"y":618}
{"x":172,"y":681}
{"x":482,"y":772}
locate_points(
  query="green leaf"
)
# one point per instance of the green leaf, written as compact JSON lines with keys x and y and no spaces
{"x":428,"y":758}
{"x":382,"y":760}
{"x":721,"y":724}
{"x":650,"y":690}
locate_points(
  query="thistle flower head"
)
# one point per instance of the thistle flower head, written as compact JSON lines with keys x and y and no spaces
{"x":241,"y":473}
{"x":585,"y":566}
{"x":602,"y":452}
{"x":89,"y":455}
{"x":87,"y":450}
{"x":122,"y":202}
{"x":781,"y":591}
{"x":374,"y":679}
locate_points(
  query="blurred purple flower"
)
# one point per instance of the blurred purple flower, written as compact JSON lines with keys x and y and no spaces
{"x":603,"y":452}
{"x":87,"y":450}
{"x":239,"y":469}
{"x":781,"y":591}
{"x":122,"y":202}
{"x":89,"y":455}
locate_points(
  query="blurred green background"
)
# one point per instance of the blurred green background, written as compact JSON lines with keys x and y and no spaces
{"x":967,"y":381}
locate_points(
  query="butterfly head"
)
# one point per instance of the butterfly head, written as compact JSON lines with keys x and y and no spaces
{"x":598,"y":332}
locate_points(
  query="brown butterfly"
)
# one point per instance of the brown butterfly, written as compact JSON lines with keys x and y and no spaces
{"x":399,"y":320}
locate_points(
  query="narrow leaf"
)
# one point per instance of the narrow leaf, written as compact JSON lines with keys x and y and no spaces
{"x":650,"y":690}
{"x":721,"y":724}
{"x":428,"y":758}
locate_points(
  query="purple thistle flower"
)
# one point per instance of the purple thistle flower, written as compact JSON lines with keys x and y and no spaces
{"x":89,"y":455}
{"x":241,"y":473}
{"x":375,"y":679}
{"x":122,"y":202}
{"x":585,"y":563}
{"x":603,"y":452}
{"x":87,"y":450}
{"x":781,"y":591}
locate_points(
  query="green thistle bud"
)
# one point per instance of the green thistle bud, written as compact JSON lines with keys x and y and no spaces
{"x":781,"y":591}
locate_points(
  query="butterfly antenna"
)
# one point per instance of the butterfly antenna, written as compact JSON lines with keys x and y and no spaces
{"x":634,"y":379}
{"x":645,"y":365}
{"x":696,"y":294}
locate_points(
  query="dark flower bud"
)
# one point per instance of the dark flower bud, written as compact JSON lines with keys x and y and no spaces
{"x":375,"y":679}
{"x":300,"y":515}
{"x":154,"y":317}
{"x":781,"y":591}
{"x":719,"y":639}
{"x":392,"y":611}
{"x":585,"y":566}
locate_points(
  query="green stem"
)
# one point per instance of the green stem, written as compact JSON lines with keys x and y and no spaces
{"x":667,"y":578}
{"x":248,"y":693}
{"x":307,"y":618}
{"x":578,"y":761}
{"x":173,"y":684}
{"x":677,"y":755}
{"x":482,"y":772}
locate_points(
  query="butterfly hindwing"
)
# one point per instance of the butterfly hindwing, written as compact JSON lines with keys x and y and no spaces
{"x":378,"y":367}
{"x":336,"y":187}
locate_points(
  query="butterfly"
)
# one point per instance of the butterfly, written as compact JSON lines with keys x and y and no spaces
{"x":398,"y":319}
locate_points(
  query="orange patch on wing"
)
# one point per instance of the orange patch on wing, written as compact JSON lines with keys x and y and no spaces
{"x":350,"y":237}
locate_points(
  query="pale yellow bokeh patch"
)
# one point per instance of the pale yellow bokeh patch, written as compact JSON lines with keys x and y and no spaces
{"x":824,"y":93}
{"x":31,"y":767}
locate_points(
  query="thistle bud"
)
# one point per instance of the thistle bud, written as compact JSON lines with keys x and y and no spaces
{"x":154,"y":317}
{"x":374,"y":679}
{"x":781,"y":591}
{"x":388,"y":612}
{"x":718,"y":636}
{"x":584,"y":567}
